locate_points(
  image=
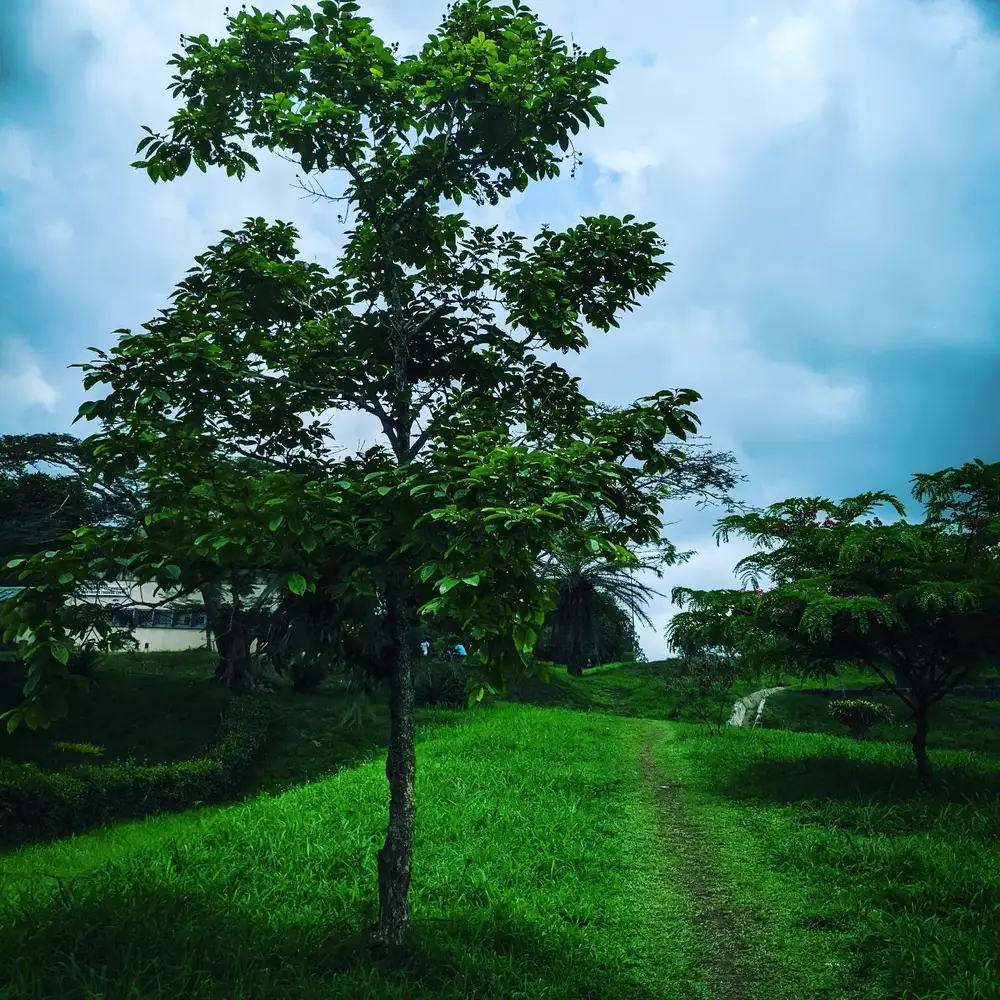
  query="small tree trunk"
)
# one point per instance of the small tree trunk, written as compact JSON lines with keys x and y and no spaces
{"x":924,"y":770}
{"x":231,"y":639}
{"x":395,"y":859}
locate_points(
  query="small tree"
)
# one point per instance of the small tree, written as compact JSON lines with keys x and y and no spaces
{"x":583,"y":586}
{"x":490,"y":454}
{"x":718,"y":647}
{"x":916,"y":603}
{"x":859,"y":715}
{"x":703,"y":685}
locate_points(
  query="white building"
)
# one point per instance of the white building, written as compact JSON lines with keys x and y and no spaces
{"x":154,"y":629}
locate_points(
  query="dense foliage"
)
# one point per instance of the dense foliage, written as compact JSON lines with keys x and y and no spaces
{"x":434,"y":326}
{"x":917,"y":603}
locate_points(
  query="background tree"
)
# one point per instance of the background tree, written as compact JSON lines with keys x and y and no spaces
{"x":38,"y":509}
{"x":917,"y":603}
{"x":584,"y":586}
{"x":455,"y":509}
{"x":616,"y":636}
{"x":594,"y":597}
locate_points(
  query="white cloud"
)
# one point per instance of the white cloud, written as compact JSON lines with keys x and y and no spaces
{"x":823,"y":171}
{"x":22,"y":384}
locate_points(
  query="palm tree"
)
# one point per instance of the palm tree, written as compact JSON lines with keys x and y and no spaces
{"x":581,"y":581}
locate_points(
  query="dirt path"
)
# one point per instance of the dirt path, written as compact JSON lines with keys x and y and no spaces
{"x":725,"y":931}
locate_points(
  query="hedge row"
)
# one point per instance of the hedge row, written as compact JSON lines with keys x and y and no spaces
{"x":36,"y":805}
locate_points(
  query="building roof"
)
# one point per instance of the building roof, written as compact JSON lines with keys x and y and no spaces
{"x":6,"y":593}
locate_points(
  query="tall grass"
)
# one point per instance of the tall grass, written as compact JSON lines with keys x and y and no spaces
{"x":535,"y":876}
{"x":541,"y":867}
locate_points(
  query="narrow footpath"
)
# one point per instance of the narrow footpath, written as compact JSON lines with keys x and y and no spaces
{"x":726,"y":931}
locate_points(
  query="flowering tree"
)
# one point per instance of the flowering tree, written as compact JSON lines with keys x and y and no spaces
{"x":917,"y":603}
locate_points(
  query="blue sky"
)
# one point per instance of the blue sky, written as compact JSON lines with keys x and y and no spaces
{"x":824,"y":174}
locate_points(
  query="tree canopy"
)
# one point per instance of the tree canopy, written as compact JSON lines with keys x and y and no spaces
{"x":435,"y":326}
{"x":917,"y":603}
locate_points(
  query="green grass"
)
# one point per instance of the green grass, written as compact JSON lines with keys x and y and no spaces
{"x":869,"y":889}
{"x":534,"y":877}
{"x":542,"y":866}
{"x":637,"y":690}
{"x":156,"y":708}
{"x":955,"y":723}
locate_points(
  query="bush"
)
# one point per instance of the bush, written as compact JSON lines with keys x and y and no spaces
{"x":83,"y":663}
{"x":440,"y":685}
{"x":38,"y":805}
{"x":306,"y":675}
{"x":859,"y":715}
{"x":703,"y":685}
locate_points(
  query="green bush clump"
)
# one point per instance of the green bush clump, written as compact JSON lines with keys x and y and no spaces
{"x":306,"y":674}
{"x":39,"y":805}
{"x":440,"y":685}
{"x":859,"y":715}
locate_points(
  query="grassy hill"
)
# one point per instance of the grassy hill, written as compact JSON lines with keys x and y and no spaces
{"x":575,"y":841}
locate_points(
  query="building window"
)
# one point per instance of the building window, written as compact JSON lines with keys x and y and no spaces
{"x":133,"y":618}
{"x":143,"y":617}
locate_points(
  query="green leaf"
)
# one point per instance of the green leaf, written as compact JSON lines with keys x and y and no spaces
{"x":276,"y":522}
{"x":472,"y":581}
{"x":66,"y":578}
{"x":162,"y":396}
{"x":447,"y":583}
{"x":297,"y":584}
{"x":593,"y":545}
{"x":427,"y":572}
{"x":15,"y":562}
{"x":60,"y":652}
{"x":173,"y":571}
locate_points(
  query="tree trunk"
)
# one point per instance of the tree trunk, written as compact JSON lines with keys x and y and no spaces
{"x":231,"y":639}
{"x":395,"y":859}
{"x":924,"y":770}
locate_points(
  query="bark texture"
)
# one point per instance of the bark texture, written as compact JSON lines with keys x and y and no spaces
{"x":924,"y":770}
{"x":232,"y":638}
{"x":395,"y":859}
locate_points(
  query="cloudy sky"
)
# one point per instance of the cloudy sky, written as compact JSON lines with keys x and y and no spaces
{"x":824,"y":172}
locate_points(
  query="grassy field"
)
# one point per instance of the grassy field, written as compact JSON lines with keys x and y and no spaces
{"x":575,"y":841}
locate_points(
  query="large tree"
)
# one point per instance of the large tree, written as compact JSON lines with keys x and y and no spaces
{"x":431,"y":324}
{"x":917,"y":603}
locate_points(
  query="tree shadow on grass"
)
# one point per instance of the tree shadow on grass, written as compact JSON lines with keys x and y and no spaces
{"x":842,"y":778}
{"x":157,"y":719}
{"x":532,"y":691}
{"x":157,"y":943}
{"x":306,"y":740}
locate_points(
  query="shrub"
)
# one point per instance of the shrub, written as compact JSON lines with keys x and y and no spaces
{"x":703,"y":684}
{"x":306,"y":674}
{"x":859,"y":715}
{"x":39,"y":805}
{"x":440,"y":685}
{"x":83,"y":662}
